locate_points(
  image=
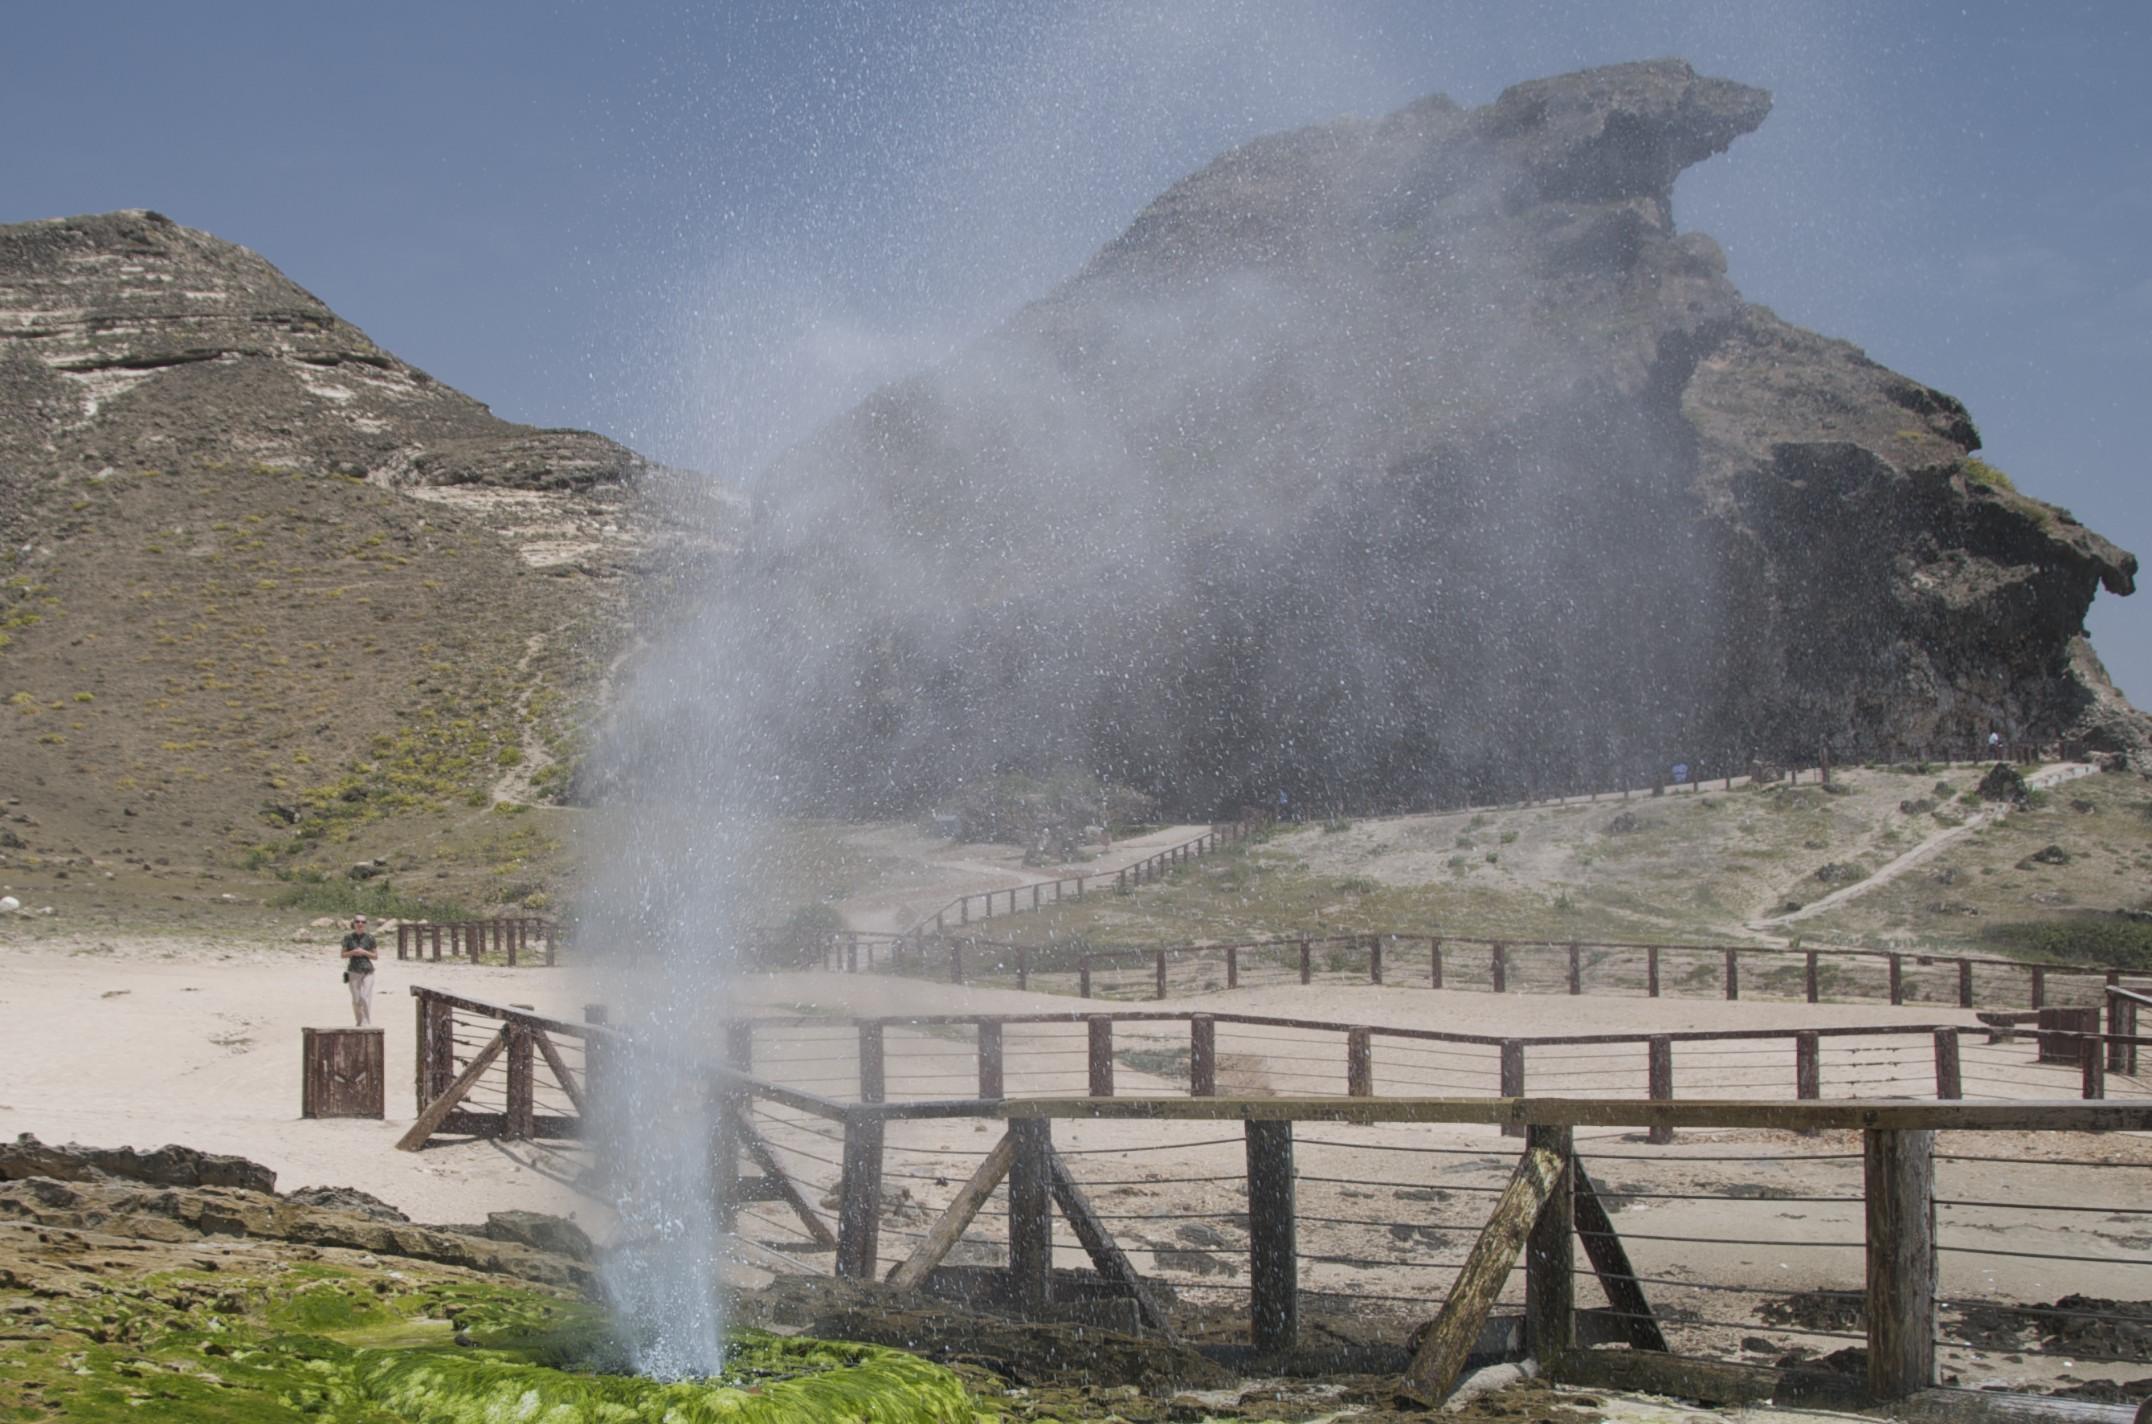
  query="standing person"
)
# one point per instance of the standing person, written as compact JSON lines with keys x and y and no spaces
{"x":1995,"y":746}
{"x":359,"y":952}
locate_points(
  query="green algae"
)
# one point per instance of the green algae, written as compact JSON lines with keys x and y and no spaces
{"x":352,"y":1347}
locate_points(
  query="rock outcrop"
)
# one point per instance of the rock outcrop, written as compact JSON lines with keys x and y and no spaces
{"x":1407,"y":460}
{"x":126,"y":339}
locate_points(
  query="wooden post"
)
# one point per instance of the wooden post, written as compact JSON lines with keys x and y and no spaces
{"x":1733,"y":974}
{"x":1949,"y":1078}
{"x":1023,"y":967}
{"x":1160,"y":991}
{"x":1550,"y":1265}
{"x":1899,"y":1167}
{"x":1202,"y":1056}
{"x":963,"y":910}
{"x":859,"y":1198}
{"x":990,"y":1078}
{"x":1809,"y":973}
{"x":403,"y":940}
{"x":1101,"y":1056}
{"x":2039,"y":987}
{"x":1434,"y":962}
{"x":1232,"y":966}
{"x":1360,"y":1063}
{"x":1512,"y":1079}
{"x":1307,"y":963}
{"x":1448,"y":1342}
{"x":1897,"y":978}
{"x":1031,"y":1222}
{"x":1498,"y":966}
{"x":435,"y":934}
{"x":872,"y":1080}
{"x":1374,"y":958}
{"x":1083,"y":978}
{"x":1651,"y":971}
{"x":1659,"y":1077}
{"x":1273,"y":1250}
{"x":956,"y":961}
{"x":505,"y":931}
{"x":1965,"y":983}
{"x":522,"y":1111}
{"x":1808,"y":1068}
{"x":1576,"y":967}
{"x":2092,"y":1061}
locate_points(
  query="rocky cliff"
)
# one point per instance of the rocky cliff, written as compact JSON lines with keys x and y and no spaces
{"x":1408,"y":460}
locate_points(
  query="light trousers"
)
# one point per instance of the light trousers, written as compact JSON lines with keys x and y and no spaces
{"x":362,"y":999}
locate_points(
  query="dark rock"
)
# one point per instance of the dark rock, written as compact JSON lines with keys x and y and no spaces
{"x":2004,"y":782}
{"x":170,"y":1165}
{"x":1838,"y":873}
{"x":540,"y":1232}
{"x":1468,"y":348}
{"x":1624,"y":823}
{"x":348,"y":1199}
{"x":2049,"y":855}
{"x":1918,"y":806}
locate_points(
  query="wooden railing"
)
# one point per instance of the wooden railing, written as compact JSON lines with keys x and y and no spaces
{"x":519,"y":939}
{"x":1042,"y":893}
{"x":766,"y":1121}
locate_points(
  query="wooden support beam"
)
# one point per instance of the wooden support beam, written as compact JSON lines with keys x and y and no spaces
{"x":1550,"y":1267}
{"x":990,"y":1059}
{"x":1099,"y":1043}
{"x":1031,"y":1223}
{"x":859,"y":1200}
{"x":1899,"y":1172}
{"x":1576,"y":967}
{"x":1651,"y":971}
{"x":1610,"y":1262}
{"x":1498,"y":966}
{"x":1434,"y":963}
{"x":1360,"y":1063}
{"x":1307,"y":962}
{"x":788,"y":1191}
{"x":1374,"y":958}
{"x":912,"y":1272}
{"x":439,"y":1109}
{"x":1733,"y":974}
{"x":1512,"y":1086}
{"x":872,"y":1079}
{"x":1202,"y":1056}
{"x":1273,"y":1230}
{"x":1949,"y":1076}
{"x":1106,"y":1253}
{"x":1440,"y":1359}
{"x":522,"y":1096}
{"x":1659,"y":1082}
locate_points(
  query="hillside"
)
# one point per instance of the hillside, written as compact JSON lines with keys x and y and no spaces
{"x":2064,"y":876}
{"x":276,"y":602}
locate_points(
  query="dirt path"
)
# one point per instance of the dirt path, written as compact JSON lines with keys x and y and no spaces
{"x":514,"y":785}
{"x":1927,"y":849}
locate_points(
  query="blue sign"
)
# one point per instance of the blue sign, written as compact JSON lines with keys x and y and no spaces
{"x":1681,"y":773}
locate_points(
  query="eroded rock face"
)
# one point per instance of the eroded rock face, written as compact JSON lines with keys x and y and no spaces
{"x":1421,"y":458}
{"x":127,"y":339}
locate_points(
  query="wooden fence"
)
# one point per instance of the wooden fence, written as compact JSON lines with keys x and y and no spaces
{"x":981,"y":905}
{"x":1443,"y":961}
{"x":520,"y":939}
{"x":771,"y":1130}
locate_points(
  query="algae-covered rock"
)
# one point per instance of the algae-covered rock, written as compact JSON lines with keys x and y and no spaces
{"x":768,"y":1381}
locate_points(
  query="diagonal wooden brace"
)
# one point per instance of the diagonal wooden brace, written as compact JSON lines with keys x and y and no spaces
{"x":438,"y":1110}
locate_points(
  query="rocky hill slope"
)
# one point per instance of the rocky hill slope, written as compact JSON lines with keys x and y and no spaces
{"x":272,"y":595}
{"x":1412,"y":460}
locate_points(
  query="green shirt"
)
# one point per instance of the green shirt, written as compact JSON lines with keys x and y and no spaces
{"x":359,"y":940}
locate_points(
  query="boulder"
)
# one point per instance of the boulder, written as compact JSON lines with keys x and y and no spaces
{"x":346,"y":1199}
{"x":2004,"y":783}
{"x":540,"y":1232}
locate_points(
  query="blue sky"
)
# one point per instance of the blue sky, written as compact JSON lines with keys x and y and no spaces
{"x":703,"y":228}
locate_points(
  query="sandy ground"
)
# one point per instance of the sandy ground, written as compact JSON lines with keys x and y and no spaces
{"x":130,"y":1040}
